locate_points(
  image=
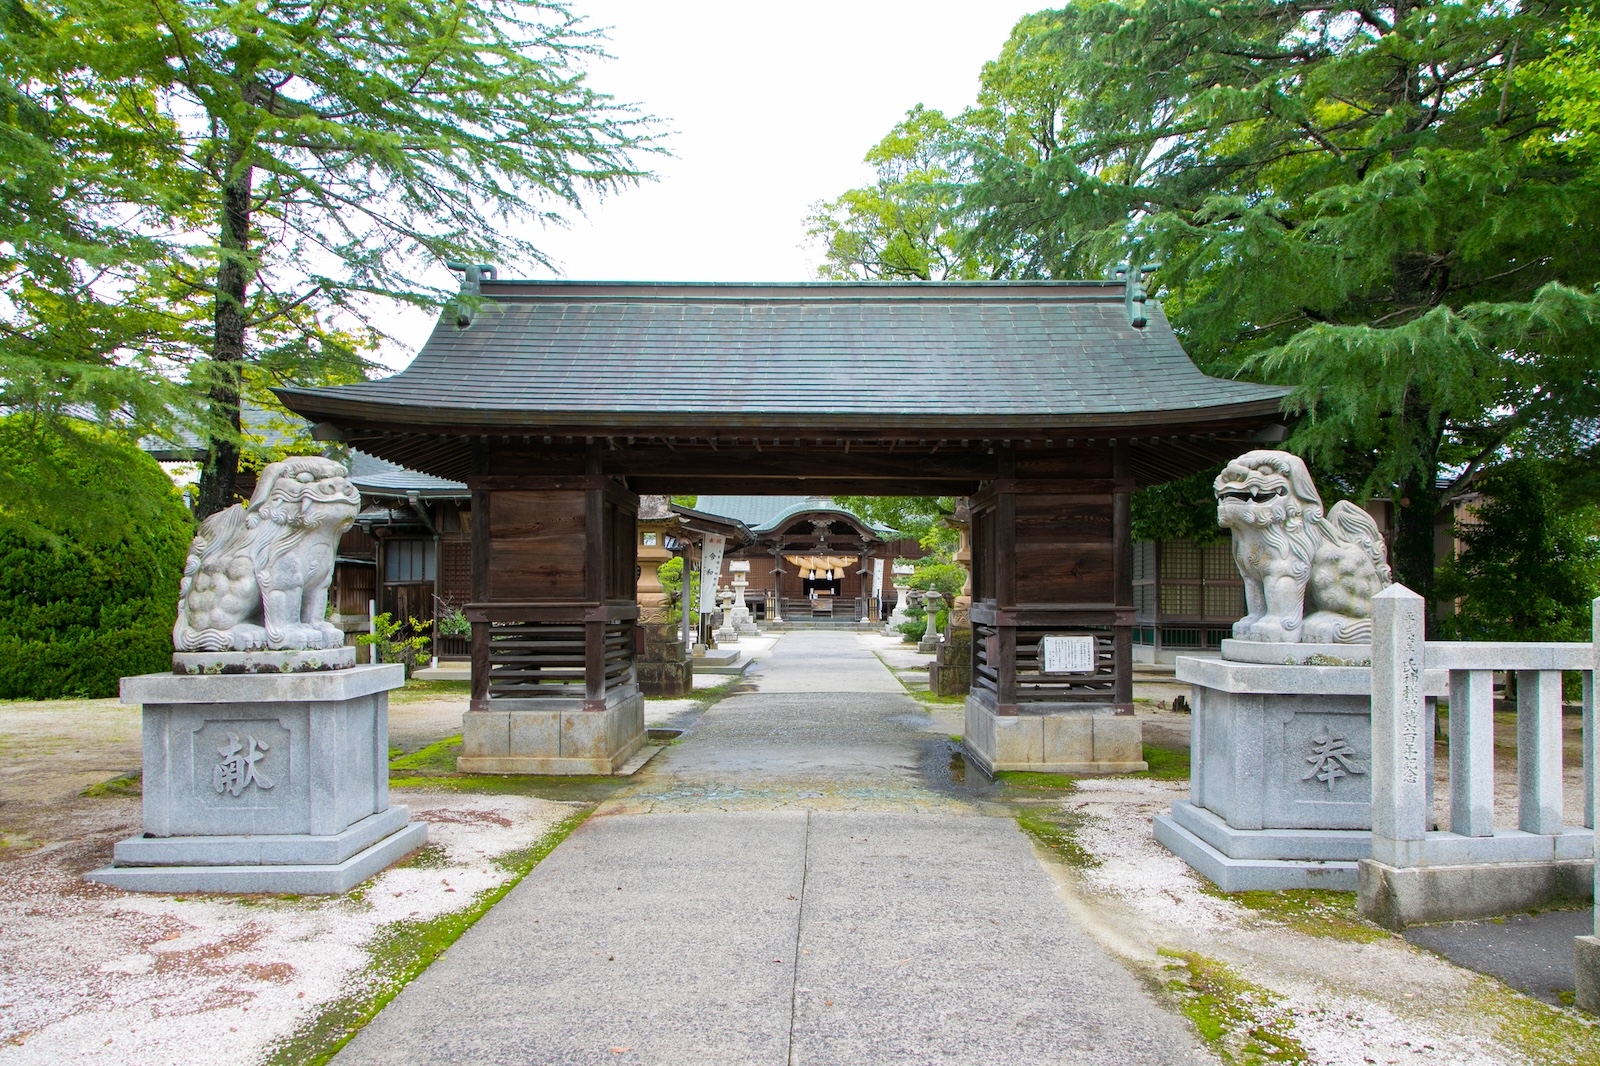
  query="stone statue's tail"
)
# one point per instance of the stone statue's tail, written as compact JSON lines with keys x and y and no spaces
{"x":1348,"y":524}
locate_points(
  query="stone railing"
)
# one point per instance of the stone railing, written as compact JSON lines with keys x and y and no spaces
{"x":1471,"y":869}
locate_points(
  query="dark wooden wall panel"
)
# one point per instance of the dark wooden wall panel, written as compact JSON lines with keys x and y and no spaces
{"x":1049,"y":574}
{"x":537,"y":545}
{"x":1064,"y":548}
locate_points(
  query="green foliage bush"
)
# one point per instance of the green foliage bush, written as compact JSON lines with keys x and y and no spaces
{"x":400,"y":641}
{"x":86,"y":596}
{"x":1530,"y":565}
{"x":670,"y":574}
{"x":947,"y":578}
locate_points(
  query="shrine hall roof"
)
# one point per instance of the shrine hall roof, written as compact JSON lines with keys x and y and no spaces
{"x":620,"y":357}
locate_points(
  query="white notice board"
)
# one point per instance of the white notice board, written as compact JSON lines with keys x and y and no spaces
{"x":1066,"y":654}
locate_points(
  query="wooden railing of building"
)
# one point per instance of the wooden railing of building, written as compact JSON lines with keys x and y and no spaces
{"x":554,"y":605}
{"x":1052,"y":554}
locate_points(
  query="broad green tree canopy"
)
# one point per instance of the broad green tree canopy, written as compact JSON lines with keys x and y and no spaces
{"x":1393,"y":209}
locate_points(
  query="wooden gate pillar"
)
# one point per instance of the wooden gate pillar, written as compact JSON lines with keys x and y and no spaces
{"x":554,"y":684}
{"x":1052,"y":570}
{"x":1122,"y":575}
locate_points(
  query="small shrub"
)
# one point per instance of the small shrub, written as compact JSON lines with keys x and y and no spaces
{"x":405,"y":642}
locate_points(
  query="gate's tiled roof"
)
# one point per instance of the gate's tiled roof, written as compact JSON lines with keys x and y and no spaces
{"x":869,"y":356}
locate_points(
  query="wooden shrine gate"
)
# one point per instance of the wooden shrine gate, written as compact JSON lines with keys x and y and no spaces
{"x":1047,"y":404}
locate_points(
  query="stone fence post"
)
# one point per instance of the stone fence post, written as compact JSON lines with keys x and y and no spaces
{"x":1588,"y":947}
{"x":1400,"y":733}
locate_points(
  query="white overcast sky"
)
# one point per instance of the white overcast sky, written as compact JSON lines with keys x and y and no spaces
{"x":769,"y":108}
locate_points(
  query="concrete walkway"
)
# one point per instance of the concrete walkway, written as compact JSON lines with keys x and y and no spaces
{"x":791,"y":884}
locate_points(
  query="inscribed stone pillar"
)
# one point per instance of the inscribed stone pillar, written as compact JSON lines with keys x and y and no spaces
{"x":1399,"y":729}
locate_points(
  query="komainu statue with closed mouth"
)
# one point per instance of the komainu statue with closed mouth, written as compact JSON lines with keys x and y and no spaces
{"x":1309,"y":577}
{"x":257,"y":577}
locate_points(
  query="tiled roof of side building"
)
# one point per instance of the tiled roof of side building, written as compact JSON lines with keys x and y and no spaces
{"x":1030,"y":354}
{"x":379,"y":477}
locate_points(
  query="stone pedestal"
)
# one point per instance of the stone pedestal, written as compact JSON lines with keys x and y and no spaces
{"x":264,"y":783}
{"x":552,"y":736}
{"x":950,"y":674}
{"x":1053,"y":738}
{"x":1280,"y":787}
{"x":664,"y":669}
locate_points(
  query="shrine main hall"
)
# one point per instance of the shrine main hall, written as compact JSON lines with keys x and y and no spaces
{"x":559,"y":404}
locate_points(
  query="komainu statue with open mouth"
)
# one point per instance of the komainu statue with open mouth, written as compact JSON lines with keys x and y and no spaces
{"x":1309,"y":577}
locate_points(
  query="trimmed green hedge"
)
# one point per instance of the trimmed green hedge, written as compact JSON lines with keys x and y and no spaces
{"x":87,"y":594}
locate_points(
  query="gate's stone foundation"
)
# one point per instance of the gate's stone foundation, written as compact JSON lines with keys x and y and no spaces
{"x":555,"y":736}
{"x":262,"y":783}
{"x":1054,"y":740}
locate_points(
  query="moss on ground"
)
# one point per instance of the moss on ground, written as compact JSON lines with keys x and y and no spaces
{"x":128,"y":784}
{"x":1240,"y":1021}
{"x":416,"y":690}
{"x":1166,"y":764}
{"x":438,"y":757}
{"x":1056,"y":831}
{"x":1031,"y":781}
{"x":400,"y":952}
{"x":1553,"y":1036}
{"x":1313,"y":911}
{"x":563,"y":788}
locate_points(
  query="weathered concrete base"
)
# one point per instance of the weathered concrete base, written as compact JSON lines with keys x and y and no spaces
{"x":1396,"y":898}
{"x":1077,"y":742}
{"x":302,"y":880}
{"x":1588,"y":972}
{"x":263,"y":662}
{"x":556,"y":737}
{"x":1243,"y":860}
{"x":928,"y":647}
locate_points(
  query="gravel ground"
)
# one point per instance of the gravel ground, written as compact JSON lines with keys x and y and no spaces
{"x":1349,"y":995}
{"x":91,"y":974}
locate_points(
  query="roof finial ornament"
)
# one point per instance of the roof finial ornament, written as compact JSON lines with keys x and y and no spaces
{"x":471,"y":285}
{"x":1134,"y":293}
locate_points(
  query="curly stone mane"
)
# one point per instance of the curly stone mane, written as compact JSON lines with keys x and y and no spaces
{"x":257,"y":576}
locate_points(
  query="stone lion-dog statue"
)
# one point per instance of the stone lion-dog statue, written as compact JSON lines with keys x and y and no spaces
{"x":1308,"y":577}
{"x":257,"y":576}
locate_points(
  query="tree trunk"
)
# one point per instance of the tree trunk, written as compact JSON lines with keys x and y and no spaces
{"x":234,"y":273}
{"x":1416,"y":507}
{"x":1413,"y":540}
